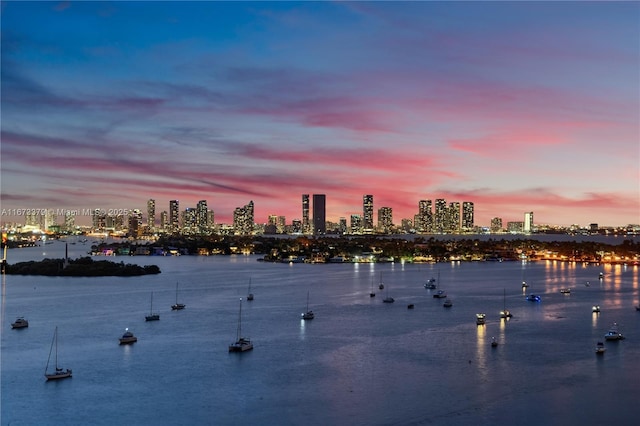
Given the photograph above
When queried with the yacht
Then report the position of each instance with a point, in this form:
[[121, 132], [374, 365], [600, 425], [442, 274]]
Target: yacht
[[308, 314], [440, 294], [430, 284], [480, 319], [447, 303], [595, 309], [494, 342], [20, 322], [600, 349], [128, 338], [613, 333]]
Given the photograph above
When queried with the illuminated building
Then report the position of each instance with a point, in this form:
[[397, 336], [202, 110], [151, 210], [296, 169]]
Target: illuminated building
[[367, 213], [423, 221], [306, 228], [453, 217], [467, 216], [440, 221], [496, 224], [202, 217], [174, 216], [151, 214], [528, 223], [342, 226], [356, 224], [164, 220], [385, 219], [319, 214], [243, 223]]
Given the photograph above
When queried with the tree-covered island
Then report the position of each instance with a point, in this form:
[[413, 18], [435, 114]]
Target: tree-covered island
[[82, 267]]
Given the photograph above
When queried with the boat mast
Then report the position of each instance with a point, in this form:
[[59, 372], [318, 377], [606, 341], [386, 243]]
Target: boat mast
[[240, 321]]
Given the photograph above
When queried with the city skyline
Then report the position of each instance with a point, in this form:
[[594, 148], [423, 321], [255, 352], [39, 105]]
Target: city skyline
[[514, 106]]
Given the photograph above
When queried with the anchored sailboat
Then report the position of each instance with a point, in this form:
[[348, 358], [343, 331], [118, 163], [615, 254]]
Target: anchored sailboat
[[177, 306], [242, 343], [58, 373], [152, 316]]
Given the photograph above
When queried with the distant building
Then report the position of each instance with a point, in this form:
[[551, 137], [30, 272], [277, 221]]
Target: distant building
[[441, 213], [356, 224], [515, 227], [528, 223], [467, 216], [202, 217], [151, 214], [174, 216], [496, 224], [453, 217], [367, 213], [423, 221], [306, 227], [385, 219], [319, 214]]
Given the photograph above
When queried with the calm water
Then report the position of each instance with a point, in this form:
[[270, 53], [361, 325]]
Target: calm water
[[360, 361]]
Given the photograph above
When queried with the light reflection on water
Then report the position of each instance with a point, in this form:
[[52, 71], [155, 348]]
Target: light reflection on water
[[359, 361]]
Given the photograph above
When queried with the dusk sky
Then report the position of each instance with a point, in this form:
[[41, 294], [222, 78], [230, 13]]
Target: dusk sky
[[515, 106]]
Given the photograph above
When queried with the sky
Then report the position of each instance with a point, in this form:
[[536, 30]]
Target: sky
[[514, 106]]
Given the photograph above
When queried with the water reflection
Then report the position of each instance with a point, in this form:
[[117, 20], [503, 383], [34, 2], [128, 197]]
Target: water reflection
[[481, 347]]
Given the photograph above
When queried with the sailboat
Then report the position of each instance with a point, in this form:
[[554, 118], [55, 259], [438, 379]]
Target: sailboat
[[381, 285], [388, 299], [371, 292], [242, 344], [308, 315], [250, 295], [505, 313], [59, 372], [152, 316], [177, 306], [432, 284], [524, 282]]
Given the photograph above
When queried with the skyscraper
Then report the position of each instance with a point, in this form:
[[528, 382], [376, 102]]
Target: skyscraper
[[305, 214], [202, 217], [367, 213], [385, 219], [424, 222], [319, 214], [528, 222], [453, 218], [467, 216], [174, 216], [151, 214], [440, 221]]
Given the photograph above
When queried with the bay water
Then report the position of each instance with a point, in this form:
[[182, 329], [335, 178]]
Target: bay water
[[359, 362]]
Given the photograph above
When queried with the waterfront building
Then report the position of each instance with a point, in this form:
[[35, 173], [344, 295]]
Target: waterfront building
[[342, 226], [189, 221], [496, 225], [202, 217], [423, 221], [528, 223], [356, 224], [164, 220], [243, 223], [319, 214], [453, 217], [441, 213]]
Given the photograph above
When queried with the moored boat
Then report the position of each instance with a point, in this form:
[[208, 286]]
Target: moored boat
[[480, 319], [20, 322], [565, 290], [600, 349], [241, 344], [595, 309], [613, 333], [128, 338], [534, 298], [308, 314], [447, 303], [494, 342], [59, 372], [440, 294]]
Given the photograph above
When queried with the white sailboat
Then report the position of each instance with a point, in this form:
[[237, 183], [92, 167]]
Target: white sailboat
[[388, 299], [177, 306], [249, 294], [241, 344], [308, 315], [505, 313], [58, 373], [381, 285], [152, 316], [371, 292]]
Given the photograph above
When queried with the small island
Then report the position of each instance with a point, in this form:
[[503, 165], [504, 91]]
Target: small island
[[81, 267]]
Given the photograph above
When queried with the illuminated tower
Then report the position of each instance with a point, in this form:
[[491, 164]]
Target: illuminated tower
[[202, 216], [528, 222], [319, 214], [453, 218], [151, 214], [305, 214], [424, 222], [367, 213], [467, 216], [440, 216], [174, 216], [385, 219]]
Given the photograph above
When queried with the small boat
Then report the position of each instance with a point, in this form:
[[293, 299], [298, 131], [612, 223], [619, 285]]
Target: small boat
[[505, 313], [494, 342], [177, 306], [601, 276], [613, 333], [152, 316], [440, 294], [480, 319], [410, 306], [565, 290], [447, 303], [241, 344], [595, 309], [534, 298], [308, 315], [20, 322], [381, 285], [59, 372], [249, 295], [524, 284], [430, 284], [600, 349], [128, 337]]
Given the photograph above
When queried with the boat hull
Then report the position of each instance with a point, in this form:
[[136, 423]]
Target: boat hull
[[178, 306], [241, 345], [59, 375], [152, 317]]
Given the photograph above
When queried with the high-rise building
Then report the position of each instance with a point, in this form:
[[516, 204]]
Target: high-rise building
[[453, 218], [356, 224], [496, 224], [385, 219], [319, 214], [440, 221], [202, 217], [423, 221], [367, 213], [528, 222], [467, 216], [243, 223], [174, 216], [164, 221], [306, 228], [342, 225], [151, 214]]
